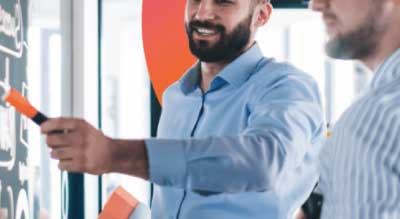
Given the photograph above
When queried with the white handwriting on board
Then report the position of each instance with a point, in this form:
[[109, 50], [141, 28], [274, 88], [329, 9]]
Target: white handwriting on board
[[11, 26], [22, 207], [7, 127], [7, 137], [4, 212], [24, 173]]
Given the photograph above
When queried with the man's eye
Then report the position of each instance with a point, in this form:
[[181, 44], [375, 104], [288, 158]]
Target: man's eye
[[224, 1]]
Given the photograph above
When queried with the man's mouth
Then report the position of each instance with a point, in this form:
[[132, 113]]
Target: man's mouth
[[329, 18], [331, 23], [205, 31]]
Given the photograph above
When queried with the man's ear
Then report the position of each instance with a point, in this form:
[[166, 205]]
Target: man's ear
[[264, 12]]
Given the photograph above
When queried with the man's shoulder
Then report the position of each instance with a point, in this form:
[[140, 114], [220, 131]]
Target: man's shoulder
[[375, 115], [270, 74], [271, 70], [173, 87], [172, 91], [386, 99]]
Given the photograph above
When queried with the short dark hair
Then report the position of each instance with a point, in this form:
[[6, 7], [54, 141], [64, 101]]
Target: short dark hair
[[261, 1], [256, 2]]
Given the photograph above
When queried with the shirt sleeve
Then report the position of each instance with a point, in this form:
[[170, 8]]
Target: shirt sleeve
[[283, 122]]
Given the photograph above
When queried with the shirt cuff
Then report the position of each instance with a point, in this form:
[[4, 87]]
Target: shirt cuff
[[167, 163]]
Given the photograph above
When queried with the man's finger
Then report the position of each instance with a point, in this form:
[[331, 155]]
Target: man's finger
[[62, 154], [69, 165], [60, 140], [58, 124]]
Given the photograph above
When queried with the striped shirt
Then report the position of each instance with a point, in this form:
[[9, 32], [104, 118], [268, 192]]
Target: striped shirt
[[360, 164]]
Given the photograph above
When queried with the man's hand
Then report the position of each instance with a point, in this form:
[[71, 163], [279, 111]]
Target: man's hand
[[82, 148], [299, 214], [78, 146]]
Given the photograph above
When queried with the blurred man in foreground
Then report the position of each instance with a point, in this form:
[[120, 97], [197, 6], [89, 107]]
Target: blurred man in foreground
[[360, 164]]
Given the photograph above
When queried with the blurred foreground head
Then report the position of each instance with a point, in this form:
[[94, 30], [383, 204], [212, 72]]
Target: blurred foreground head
[[360, 29]]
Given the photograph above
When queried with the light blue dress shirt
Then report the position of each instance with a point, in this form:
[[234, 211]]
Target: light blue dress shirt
[[360, 164], [243, 149]]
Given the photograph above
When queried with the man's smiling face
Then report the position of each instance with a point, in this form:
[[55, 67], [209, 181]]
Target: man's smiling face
[[218, 30]]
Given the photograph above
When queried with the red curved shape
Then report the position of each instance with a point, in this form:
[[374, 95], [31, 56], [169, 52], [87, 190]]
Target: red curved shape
[[165, 43]]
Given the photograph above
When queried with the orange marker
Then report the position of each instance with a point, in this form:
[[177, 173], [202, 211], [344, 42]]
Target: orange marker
[[120, 205], [23, 106]]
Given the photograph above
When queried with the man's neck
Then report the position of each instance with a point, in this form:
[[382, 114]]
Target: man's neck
[[375, 60], [208, 73], [388, 44], [210, 69]]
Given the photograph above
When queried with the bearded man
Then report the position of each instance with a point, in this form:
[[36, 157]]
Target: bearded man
[[360, 164], [234, 132]]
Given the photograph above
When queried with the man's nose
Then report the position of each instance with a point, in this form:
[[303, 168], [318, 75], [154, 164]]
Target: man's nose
[[318, 5], [205, 11]]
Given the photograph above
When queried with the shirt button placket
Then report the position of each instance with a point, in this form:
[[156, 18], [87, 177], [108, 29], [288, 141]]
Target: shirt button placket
[[200, 113]]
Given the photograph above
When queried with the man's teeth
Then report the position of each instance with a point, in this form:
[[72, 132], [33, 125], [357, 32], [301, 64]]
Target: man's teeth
[[205, 31]]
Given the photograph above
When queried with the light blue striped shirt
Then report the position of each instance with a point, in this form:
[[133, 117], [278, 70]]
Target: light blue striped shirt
[[244, 149], [360, 164]]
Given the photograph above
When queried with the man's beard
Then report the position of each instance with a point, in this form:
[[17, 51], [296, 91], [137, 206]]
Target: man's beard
[[359, 44], [229, 45]]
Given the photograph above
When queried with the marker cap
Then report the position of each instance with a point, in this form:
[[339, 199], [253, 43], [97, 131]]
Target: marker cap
[[23, 106]]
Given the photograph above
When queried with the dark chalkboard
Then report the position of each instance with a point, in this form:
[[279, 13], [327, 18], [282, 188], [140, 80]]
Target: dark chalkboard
[[14, 171]]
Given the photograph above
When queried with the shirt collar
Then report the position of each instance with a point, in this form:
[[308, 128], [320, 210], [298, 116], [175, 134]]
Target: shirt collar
[[190, 80], [235, 73], [387, 72]]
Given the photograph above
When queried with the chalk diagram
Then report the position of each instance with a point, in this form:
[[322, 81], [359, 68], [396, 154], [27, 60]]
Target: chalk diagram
[[12, 27], [5, 212], [12, 48], [7, 125], [22, 205]]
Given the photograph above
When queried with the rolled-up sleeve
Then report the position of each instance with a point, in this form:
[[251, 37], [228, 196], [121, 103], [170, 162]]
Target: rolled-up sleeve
[[283, 122]]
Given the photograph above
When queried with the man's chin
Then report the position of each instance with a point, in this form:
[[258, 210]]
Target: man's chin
[[213, 39], [205, 48], [335, 49], [204, 55], [332, 49], [205, 44], [208, 55]]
